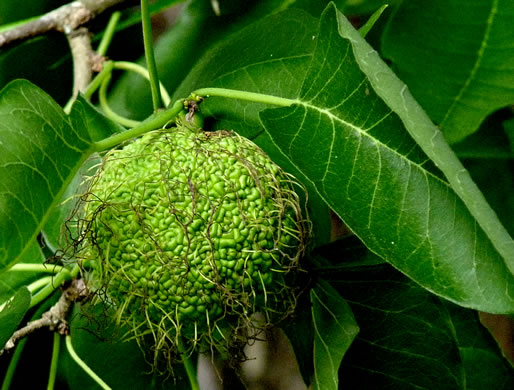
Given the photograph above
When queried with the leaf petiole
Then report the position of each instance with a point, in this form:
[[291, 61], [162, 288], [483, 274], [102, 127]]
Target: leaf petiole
[[107, 109], [83, 365], [245, 95], [64, 275], [41, 268], [40, 283], [55, 360], [108, 33], [131, 66], [149, 54]]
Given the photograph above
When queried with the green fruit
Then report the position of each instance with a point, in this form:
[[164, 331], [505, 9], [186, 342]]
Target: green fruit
[[189, 229]]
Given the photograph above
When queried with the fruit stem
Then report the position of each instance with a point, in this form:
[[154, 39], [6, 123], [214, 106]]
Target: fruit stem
[[188, 365], [244, 95], [149, 54], [155, 122]]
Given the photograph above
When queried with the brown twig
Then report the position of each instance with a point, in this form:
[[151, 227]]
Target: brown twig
[[65, 19], [68, 19], [55, 318], [82, 54]]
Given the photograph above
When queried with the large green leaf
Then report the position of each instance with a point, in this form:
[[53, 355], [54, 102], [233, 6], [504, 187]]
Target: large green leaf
[[469, 71], [406, 339], [334, 331], [479, 352], [358, 155], [410, 339], [275, 63], [396, 95], [40, 152], [299, 330], [84, 117]]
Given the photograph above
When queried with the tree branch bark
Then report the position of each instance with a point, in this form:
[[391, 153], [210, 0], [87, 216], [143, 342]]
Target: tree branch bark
[[65, 19], [55, 318], [82, 53]]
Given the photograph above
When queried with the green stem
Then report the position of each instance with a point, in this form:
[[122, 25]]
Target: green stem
[[149, 54], [133, 67], [94, 85], [55, 360], [53, 269], [100, 77], [83, 364], [108, 33], [189, 367], [161, 118], [244, 95], [155, 122], [107, 109], [36, 285], [56, 282]]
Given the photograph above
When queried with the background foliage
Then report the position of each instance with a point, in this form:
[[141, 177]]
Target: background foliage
[[393, 300]]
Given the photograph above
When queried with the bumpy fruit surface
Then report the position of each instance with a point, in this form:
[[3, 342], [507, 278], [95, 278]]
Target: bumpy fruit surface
[[188, 227]]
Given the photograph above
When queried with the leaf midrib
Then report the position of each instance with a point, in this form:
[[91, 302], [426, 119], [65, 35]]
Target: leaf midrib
[[365, 133]]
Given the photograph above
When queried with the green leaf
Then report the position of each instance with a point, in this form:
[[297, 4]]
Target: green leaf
[[358, 155], [85, 119], [43, 60], [197, 29], [60, 229], [365, 29], [409, 339], [274, 64], [508, 125], [491, 142], [362, 7], [12, 314], [299, 330], [40, 152], [479, 352], [396, 95], [406, 339], [498, 191], [469, 73], [334, 331]]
